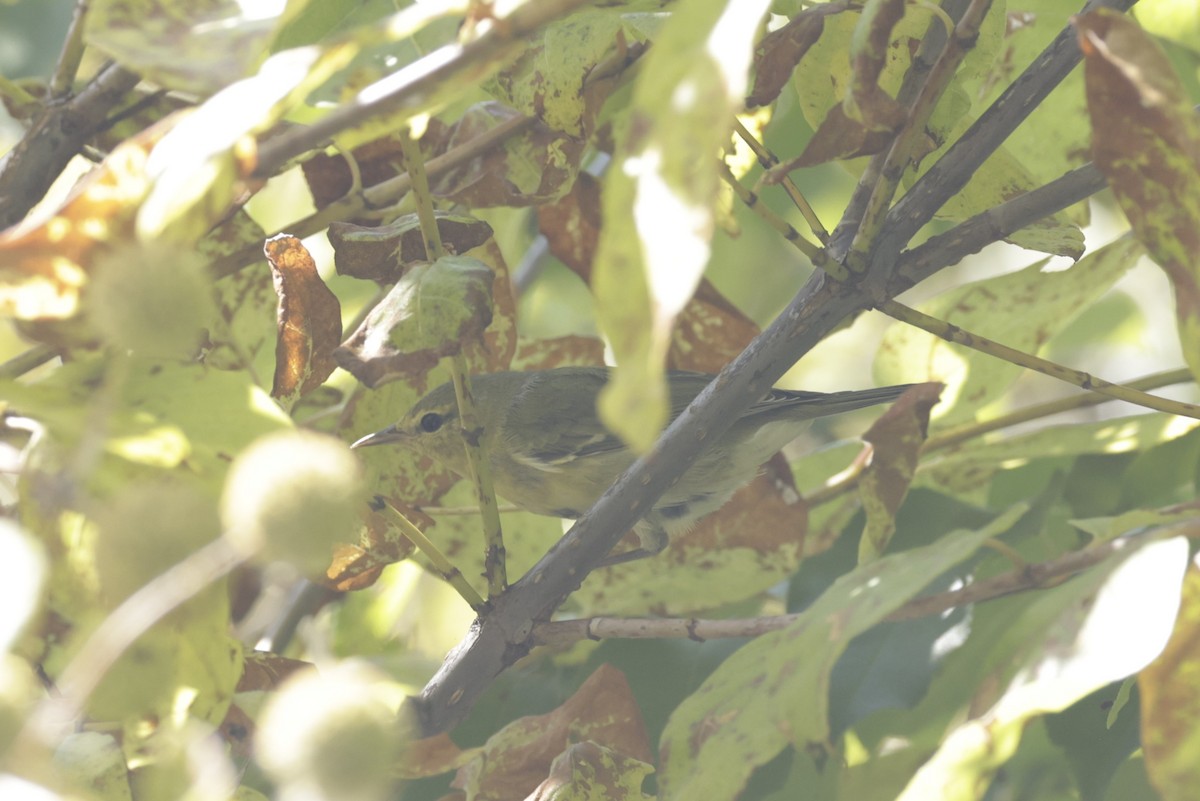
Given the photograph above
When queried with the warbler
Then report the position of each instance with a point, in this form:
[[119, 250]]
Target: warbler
[[550, 454]]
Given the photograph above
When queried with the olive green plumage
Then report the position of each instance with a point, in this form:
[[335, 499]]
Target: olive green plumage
[[551, 455]]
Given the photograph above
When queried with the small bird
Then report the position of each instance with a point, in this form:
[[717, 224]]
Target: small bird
[[550, 454]]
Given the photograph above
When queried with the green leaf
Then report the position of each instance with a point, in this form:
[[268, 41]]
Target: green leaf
[[966, 472], [190, 47], [775, 690], [196, 169], [1070, 641], [1047, 302], [1175, 20], [659, 197], [434, 310]]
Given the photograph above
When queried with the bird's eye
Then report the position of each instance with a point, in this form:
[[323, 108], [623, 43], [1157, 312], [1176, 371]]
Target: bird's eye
[[431, 422]]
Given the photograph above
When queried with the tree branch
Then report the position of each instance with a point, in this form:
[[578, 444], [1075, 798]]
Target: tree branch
[[952, 171], [412, 86], [498, 640], [1030, 577], [59, 132], [998, 222]]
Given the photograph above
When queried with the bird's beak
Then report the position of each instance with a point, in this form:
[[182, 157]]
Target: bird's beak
[[383, 436]]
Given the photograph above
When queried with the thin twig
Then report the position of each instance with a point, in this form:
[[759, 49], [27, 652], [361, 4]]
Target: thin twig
[[72, 53], [379, 195], [477, 459], [438, 560], [814, 253], [952, 333], [768, 160], [900, 154], [22, 363], [1028, 577]]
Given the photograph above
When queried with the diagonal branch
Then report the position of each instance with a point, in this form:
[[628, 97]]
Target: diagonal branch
[[497, 641], [412, 86]]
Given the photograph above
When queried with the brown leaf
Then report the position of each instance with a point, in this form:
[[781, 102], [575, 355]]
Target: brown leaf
[[897, 438], [308, 321], [1146, 141], [264, 672], [330, 178], [432, 756], [781, 50], [382, 253], [536, 166], [356, 567], [838, 137], [571, 225], [516, 759]]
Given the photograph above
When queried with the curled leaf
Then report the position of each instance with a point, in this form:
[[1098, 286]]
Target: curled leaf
[[308, 321]]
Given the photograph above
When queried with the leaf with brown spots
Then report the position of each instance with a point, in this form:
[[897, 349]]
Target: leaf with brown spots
[[356, 567], [535, 166], [1146, 141], [897, 437], [308, 321], [516, 759]]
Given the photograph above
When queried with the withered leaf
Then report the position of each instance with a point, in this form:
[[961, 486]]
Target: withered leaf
[[781, 50], [838, 137], [532, 167], [44, 263], [516, 759], [308, 321], [897, 437], [356, 567]]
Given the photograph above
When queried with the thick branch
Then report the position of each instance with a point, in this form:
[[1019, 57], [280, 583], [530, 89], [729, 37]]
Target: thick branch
[[497, 641], [998, 222], [58, 133], [504, 636]]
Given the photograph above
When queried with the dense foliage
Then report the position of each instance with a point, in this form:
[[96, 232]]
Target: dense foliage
[[237, 236]]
